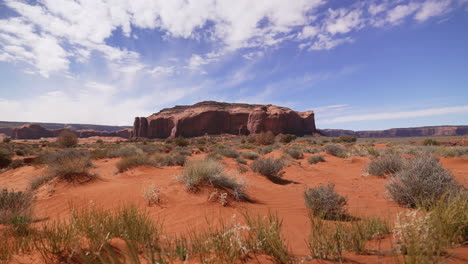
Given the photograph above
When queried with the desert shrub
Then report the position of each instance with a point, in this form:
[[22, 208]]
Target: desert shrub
[[151, 194], [228, 152], [172, 160], [19, 152], [295, 153], [70, 165], [265, 236], [14, 206], [67, 139], [209, 171], [324, 202], [99, 141], [386, 164], [336, 150], [421, 182], [265, 138], [125, 151], [269, 167], [5, 158], [129, 162], [373, 152], [6, 140], [16, 163], [241, 160], [287, 138], [99, 154], [430, 142], [266, 149], [316, 159], [348, 139], [181, 141], [39, 181], [251, 155]]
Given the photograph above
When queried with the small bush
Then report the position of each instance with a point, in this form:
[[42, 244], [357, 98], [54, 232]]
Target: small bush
[[430, 142], [295, 153], [5, 158], [269, 167], [316, 159], [348, 139], [386, 164], [125, 151], [208, 171], [129, 162], [181, 141], [265, 138], [172, 160], [241, 160], [19, 152], [227, 152], [67, 139], [99, 141], [6, 140], [151, 194], [16, 163], [99, 154], [14, 205], [324, 202], [40, 180], [250, 155], [421, 182], [287, 138], [336, 150], [70, 165]]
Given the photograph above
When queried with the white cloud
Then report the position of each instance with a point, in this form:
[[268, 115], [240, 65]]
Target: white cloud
[[432, 9], [162, 71], [398, 13], [328, 108], [397, 115], [308, 32], [343, 21]]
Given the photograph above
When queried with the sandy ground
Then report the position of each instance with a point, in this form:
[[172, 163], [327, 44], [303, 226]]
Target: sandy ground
[[181, 210]]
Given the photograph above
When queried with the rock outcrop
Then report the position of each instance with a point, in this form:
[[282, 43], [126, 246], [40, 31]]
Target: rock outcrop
[[35, 131], [429, 131], [212, 118]]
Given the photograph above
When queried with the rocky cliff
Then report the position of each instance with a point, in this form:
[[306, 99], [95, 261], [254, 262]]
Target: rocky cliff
[[211, 117], [35, 131], [429, 131]]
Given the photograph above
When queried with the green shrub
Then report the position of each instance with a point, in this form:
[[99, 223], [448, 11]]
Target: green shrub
[[336, 150], [324, 202], [129, 162], [67, 139], [386, 164], [172, 160], [99, 154], [348, 139], [70, 165], [208, 171], [181, 141], [6, 140], [125, 151], [241, 160], [295, 153], [250, 155], [287, 138], [19, 152], [430, 142], [14, 205], [421, 182], [269, 167], [5, 158], [265, 138], [16, 163], [316, 159], [227, 152]]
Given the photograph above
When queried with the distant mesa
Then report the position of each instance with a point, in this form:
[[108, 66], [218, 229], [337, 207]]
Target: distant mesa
[[427, 131], [212, 118]]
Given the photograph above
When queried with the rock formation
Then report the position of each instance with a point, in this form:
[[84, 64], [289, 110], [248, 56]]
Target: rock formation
[[35, 131], [211, 118], [429, 131]]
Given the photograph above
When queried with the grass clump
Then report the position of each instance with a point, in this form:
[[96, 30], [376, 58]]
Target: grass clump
[[421, 182], [386, 164], [126, 151], [208, 171], [15, 207], [251, 155], [70, 165], [324, 202], [181, 141], [288, 138], [347, 139], [430, 142], [67, 139], [5, 158], [336, 150], [269, 167], [228, 152], [129, 162], [316, 159], [151, 194], [265, 138]]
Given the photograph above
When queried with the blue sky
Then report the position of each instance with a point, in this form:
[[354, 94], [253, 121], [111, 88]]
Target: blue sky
[[358, 64]]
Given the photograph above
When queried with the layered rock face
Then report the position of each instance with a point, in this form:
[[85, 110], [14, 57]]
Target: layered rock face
[[34, 131], [430, 131], [218, 118]]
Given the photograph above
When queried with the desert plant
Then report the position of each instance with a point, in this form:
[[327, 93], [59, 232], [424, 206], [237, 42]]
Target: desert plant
[[269, 167], [5, 158], [316, 159], [151, 194], [326, 241], [324, 202], [227, 152], [40, 180], [99, 154], [287, 138], [241, 161], [181, 141], [250, 155], [67, 139], [6, 140], [295, 153], [386, 164], [421, 182], [14, 206], [125, 151], [209, 171], [347, 139], [336, 150], [129, 162], [430, 142], [70, 165], [265, 138]]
